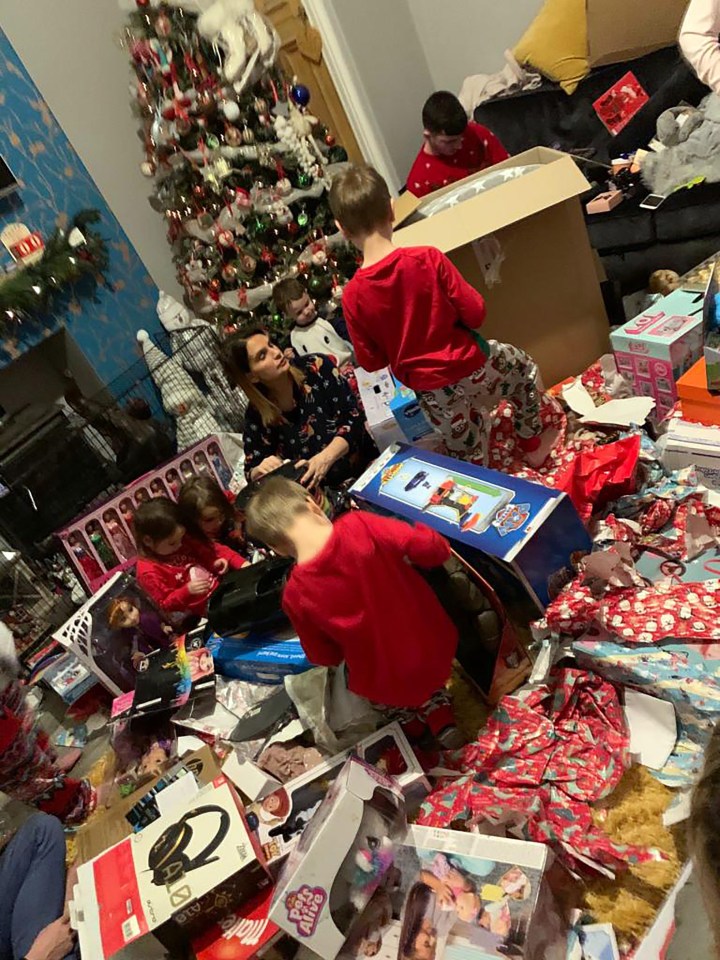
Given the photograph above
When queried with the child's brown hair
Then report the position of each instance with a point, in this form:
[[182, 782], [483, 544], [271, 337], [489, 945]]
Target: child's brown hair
[[237, 364], [287, 291], [705, 834], [196, 495], [360, 200], [272, 509], [116, 615], [155, 520]]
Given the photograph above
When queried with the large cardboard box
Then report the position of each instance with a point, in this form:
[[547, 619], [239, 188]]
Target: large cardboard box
[[510, 529], [172, 880], [619, 31], [548, 298]]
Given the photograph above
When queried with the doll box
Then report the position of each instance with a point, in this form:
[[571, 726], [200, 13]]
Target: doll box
[[172, 880], [280, 818], [508, 529], [341, 859], [259, 657], [656, 348], [99, 542]]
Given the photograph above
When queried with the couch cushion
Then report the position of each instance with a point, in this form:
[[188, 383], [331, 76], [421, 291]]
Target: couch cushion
[[556, 43]]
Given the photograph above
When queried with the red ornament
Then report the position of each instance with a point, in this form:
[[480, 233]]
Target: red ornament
[[214, 286], [225, 238], [292, 228], [267, 256], [142, 3], [199, 191], [229, 272], [330, 140], [163, 25]]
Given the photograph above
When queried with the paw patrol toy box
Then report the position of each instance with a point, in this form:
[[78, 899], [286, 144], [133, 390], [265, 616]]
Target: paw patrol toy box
[[344, 856], [519, 535]]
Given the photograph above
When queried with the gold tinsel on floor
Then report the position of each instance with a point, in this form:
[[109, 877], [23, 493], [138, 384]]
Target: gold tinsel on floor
[[102, 772]]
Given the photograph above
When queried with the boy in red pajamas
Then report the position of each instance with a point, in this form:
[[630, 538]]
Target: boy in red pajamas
[[354, 598], [412, 310], [453, 148]]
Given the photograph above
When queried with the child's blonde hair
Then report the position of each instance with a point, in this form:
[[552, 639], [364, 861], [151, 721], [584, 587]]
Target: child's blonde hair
[[705, 835], [360, 200], [273, 508]]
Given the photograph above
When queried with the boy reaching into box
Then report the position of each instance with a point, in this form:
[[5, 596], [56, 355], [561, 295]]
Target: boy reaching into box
[[453, 147], [354, 598], [411, 309]]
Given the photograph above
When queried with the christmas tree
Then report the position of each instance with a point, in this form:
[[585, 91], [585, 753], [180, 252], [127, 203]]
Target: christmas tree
[[241, 168]]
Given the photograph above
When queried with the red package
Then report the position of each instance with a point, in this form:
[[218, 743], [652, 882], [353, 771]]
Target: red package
[[599, 475], [241, 935], [620, 103]]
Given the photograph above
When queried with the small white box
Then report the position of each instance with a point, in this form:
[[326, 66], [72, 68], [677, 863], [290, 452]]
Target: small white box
[[693, 444]]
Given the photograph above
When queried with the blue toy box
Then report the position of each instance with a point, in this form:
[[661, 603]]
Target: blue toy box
[[405, 408], [518, 535], [259, 657]]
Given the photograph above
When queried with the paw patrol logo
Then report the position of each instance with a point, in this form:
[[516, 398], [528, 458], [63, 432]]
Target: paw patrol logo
[[511, 518], [304, 907], [391, 472]]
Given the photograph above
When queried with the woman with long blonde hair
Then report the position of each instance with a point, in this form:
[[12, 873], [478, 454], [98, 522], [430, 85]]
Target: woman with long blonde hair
[[302, 411]]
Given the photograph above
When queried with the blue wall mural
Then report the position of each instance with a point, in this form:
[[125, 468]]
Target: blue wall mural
[[54, 185]]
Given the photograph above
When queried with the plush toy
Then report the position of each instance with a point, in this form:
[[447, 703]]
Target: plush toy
[[180, 395], [249, 40], [371, 864], [693, 153], [676, 124], [664, 282]]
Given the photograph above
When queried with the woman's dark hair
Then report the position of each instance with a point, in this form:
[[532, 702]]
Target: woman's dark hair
[[419, 900], [196, 495], [237, 363], [444, 114], [155, 519]]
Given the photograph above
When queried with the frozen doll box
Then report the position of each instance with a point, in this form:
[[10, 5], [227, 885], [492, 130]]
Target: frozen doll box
[[101, 541], [499, 524], [342, 858]]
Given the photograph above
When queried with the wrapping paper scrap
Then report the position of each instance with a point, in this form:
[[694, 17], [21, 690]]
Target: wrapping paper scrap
[[546, 754], [600, 475], [662, 611], [614, 413]]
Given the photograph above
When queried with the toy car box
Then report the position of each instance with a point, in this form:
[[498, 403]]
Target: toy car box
[[656, 348], [174, 879], [341, 860], [281, 817], [508, 529], [259, 657]]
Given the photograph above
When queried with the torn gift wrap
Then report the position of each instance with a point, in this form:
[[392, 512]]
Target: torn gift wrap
[[546, 754]]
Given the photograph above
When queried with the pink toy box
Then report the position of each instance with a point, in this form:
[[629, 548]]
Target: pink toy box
[[101, 542], [655, 349]]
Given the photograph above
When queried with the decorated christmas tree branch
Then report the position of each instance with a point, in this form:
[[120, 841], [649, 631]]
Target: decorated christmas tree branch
[[69, 256]]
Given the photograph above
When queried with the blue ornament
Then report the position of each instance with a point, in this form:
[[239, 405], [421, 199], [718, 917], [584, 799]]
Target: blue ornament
[[300, 94]]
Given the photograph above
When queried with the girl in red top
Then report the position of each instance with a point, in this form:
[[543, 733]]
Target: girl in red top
[[209, 513], [177, 571]]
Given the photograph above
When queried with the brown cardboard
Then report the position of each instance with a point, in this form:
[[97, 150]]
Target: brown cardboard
[[110, 827], [548, 301], [619, 31]]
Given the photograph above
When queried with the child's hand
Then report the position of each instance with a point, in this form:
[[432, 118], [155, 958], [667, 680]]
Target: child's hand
[[221, 567], [200, 586], [137, 658]]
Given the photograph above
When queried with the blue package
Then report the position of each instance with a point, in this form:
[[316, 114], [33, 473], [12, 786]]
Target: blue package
[[497, 523], [259, 657], [408, 414]]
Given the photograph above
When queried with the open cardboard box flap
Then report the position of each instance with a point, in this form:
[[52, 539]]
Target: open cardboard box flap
[[557, 180], [619, 31]]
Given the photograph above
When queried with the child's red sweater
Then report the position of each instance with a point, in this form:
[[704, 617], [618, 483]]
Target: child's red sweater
[[411, 311], [166, 579], [361, 602], [480, 149]]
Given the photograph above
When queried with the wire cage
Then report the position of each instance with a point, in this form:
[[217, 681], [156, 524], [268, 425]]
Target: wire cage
[[89, 450]]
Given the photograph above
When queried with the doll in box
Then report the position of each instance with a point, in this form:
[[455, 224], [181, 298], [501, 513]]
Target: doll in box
[[144, 630], [124, 547]]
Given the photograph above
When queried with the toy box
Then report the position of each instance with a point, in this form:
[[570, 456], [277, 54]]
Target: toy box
[[102, 540], [281, 817], [344, 856], [259, 656], [711, 330], [500, 895], [107, 652], [693, 444], [244, 934], [180, 874], [655, 349], [68, 676], [410, 418], [519, 535], [696, 401]]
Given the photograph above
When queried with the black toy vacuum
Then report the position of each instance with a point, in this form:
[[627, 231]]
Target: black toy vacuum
[[167, 858]]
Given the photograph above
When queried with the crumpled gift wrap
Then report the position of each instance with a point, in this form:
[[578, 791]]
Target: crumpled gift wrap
[[546, 754]]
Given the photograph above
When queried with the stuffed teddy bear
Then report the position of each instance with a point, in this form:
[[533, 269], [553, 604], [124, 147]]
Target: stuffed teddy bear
[[246, 36], [694, 157], [676, 124]]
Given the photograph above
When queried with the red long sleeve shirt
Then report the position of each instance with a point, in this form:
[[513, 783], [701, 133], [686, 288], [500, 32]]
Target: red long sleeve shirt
[[360, 601], [166, 579], [480, 149], [411, 311]]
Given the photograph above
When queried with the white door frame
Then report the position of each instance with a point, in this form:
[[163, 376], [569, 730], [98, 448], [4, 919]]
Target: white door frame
[[348, 83]]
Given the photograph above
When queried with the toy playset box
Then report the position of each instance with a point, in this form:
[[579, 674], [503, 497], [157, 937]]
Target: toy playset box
[[392, 411], [175, 878], [280, 818], [467, 895], [655, 349], [341, 860], [509, 529], [100, 541]]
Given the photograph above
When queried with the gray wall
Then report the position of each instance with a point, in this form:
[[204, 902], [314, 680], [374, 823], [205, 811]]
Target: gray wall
[[71, 49]]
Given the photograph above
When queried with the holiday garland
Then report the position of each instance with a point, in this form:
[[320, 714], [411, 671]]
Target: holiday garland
[[69, 255]]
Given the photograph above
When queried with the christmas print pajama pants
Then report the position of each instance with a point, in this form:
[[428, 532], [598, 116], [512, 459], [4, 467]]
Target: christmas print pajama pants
[[461, 411]]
